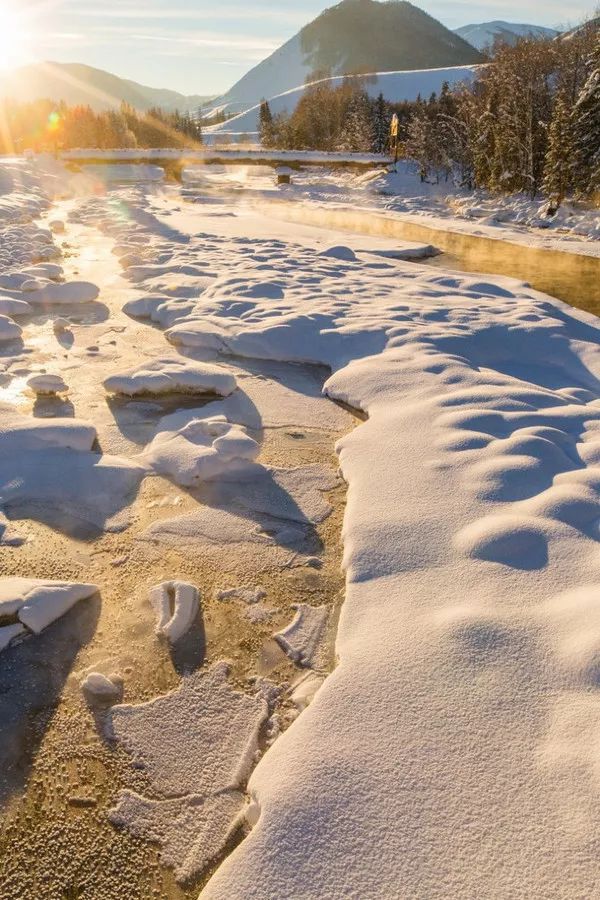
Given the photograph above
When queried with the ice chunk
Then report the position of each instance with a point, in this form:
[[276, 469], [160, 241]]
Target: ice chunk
[[101, 687], [200, 739], [302, 640], [191, 830], [176, 605], [47, 601], [9, 633]]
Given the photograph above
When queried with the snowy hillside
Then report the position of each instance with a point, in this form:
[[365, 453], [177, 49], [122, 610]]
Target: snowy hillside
[[485, 34], [354, 36], [395, 86]]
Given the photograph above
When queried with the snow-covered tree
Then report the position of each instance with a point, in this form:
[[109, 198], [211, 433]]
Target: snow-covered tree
[[587, 127], [560, 158]]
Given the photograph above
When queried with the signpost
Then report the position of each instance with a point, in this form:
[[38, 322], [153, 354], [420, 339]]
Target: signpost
[[394, 132]]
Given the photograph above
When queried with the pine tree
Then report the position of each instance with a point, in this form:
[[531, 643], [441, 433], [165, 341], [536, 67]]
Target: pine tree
[[266, 126], [587, 128], [381, 126], [558, 170]]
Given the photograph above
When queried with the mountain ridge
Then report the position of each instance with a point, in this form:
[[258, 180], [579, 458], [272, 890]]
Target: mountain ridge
[[355, 36], [79, 84]]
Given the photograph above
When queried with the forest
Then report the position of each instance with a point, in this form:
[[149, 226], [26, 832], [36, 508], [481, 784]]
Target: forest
[[530, 122], [46, 127]]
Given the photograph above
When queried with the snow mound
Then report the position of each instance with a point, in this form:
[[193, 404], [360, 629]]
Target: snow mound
[[9, 330], [200, 450], [47, 385], [38, 293], [171, 375]]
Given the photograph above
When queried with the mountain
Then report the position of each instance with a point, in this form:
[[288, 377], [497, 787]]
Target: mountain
[[484, 36], [395, 87], [79, 84], [356, 36]]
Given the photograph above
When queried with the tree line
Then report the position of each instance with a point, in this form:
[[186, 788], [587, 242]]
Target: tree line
[[530, 122], [44, 127]]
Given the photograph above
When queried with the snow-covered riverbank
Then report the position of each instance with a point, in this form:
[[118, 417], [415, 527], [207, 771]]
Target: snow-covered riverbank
[[454, 742]]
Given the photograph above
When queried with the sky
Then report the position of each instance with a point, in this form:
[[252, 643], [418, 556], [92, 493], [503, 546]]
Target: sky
[[204, 46]]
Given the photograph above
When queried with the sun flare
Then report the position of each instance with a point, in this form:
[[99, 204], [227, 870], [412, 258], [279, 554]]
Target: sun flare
[[14, 38]]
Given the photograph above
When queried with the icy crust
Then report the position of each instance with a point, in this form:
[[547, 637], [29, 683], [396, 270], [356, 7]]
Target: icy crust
[[172, 375], [197, 746], [36, 604]]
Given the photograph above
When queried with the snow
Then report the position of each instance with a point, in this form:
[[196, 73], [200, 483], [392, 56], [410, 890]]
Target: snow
[[9, 330], [47, 385], [172, 375], [483, 36], [38, 603], [39, 293], [199, 449], [176, 606], [456, 740]]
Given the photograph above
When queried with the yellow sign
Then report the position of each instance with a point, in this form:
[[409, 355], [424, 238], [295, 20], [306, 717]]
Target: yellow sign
[[395, 125]]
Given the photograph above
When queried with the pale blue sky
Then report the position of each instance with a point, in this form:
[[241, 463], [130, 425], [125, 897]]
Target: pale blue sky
[[204, 46]]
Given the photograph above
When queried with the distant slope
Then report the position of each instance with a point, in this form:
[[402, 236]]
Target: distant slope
[[395, 86], [354, 36], [80, 84], [485, 34]]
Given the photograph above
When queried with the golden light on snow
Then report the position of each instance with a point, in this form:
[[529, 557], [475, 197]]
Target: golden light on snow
[[14, 36]]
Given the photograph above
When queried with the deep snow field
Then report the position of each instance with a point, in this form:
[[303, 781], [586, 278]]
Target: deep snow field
[[191, 699]]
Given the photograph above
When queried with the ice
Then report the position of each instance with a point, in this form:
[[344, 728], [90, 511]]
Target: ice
[[176, 606], [102, 688], [196, 746], [38, 603], [172, 375], [303, 639], [191, 831], [9, 634]]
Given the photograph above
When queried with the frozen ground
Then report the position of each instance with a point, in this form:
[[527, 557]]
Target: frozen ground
[[455, 740]]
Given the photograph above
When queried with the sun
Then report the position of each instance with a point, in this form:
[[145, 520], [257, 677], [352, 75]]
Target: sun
[[14, 38]]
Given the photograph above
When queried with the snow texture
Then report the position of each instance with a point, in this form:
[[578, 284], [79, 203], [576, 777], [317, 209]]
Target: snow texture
[[172, 375]]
